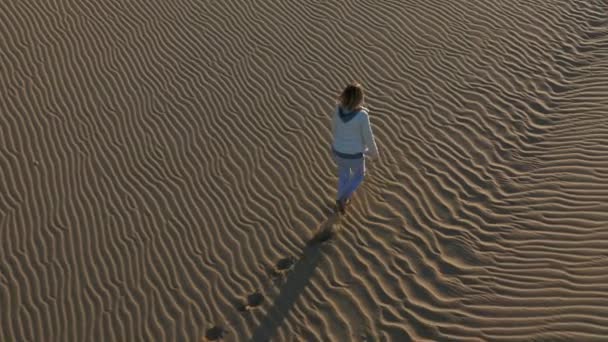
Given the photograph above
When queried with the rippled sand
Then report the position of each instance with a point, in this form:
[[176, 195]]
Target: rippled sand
[[165, 166]]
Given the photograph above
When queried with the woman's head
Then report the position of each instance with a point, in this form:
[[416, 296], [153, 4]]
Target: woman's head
[[352, 96]]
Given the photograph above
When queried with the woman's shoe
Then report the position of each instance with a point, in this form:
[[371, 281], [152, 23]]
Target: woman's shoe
[[340, 207]]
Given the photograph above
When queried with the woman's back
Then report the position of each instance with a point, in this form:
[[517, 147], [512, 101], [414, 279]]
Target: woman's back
[[352, 132]]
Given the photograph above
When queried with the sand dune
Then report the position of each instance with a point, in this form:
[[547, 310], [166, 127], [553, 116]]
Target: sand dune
[[165, 166]]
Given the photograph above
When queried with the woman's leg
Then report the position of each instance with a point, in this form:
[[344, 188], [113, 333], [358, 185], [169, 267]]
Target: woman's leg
[[357, 173], [343, 176]]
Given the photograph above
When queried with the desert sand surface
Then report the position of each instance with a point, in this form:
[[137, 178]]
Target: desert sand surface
[[165, 171]]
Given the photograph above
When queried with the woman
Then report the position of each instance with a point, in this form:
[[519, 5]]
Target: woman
[[353, 140]]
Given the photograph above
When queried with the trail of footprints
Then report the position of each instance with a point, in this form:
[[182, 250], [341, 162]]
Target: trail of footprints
[[278, 271]]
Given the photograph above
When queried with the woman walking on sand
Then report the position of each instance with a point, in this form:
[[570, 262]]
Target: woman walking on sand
[[353, 140]]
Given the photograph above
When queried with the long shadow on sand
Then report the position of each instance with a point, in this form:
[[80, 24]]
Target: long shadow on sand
[[297, 280]]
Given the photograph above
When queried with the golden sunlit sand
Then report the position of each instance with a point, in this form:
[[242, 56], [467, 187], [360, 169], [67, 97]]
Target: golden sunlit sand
[[166, 171]]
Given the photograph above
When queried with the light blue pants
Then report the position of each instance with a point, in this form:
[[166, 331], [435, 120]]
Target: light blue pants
[[350, 175]]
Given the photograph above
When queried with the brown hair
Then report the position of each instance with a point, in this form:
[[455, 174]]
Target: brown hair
[[352, 96]]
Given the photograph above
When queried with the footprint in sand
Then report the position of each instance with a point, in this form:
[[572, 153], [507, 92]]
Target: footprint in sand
[[282, 267], [323, 235], [253, 300], [215, 333], [285, 264]]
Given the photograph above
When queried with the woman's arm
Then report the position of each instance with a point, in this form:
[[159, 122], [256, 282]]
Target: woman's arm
[[333, 124], [368, 137]]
